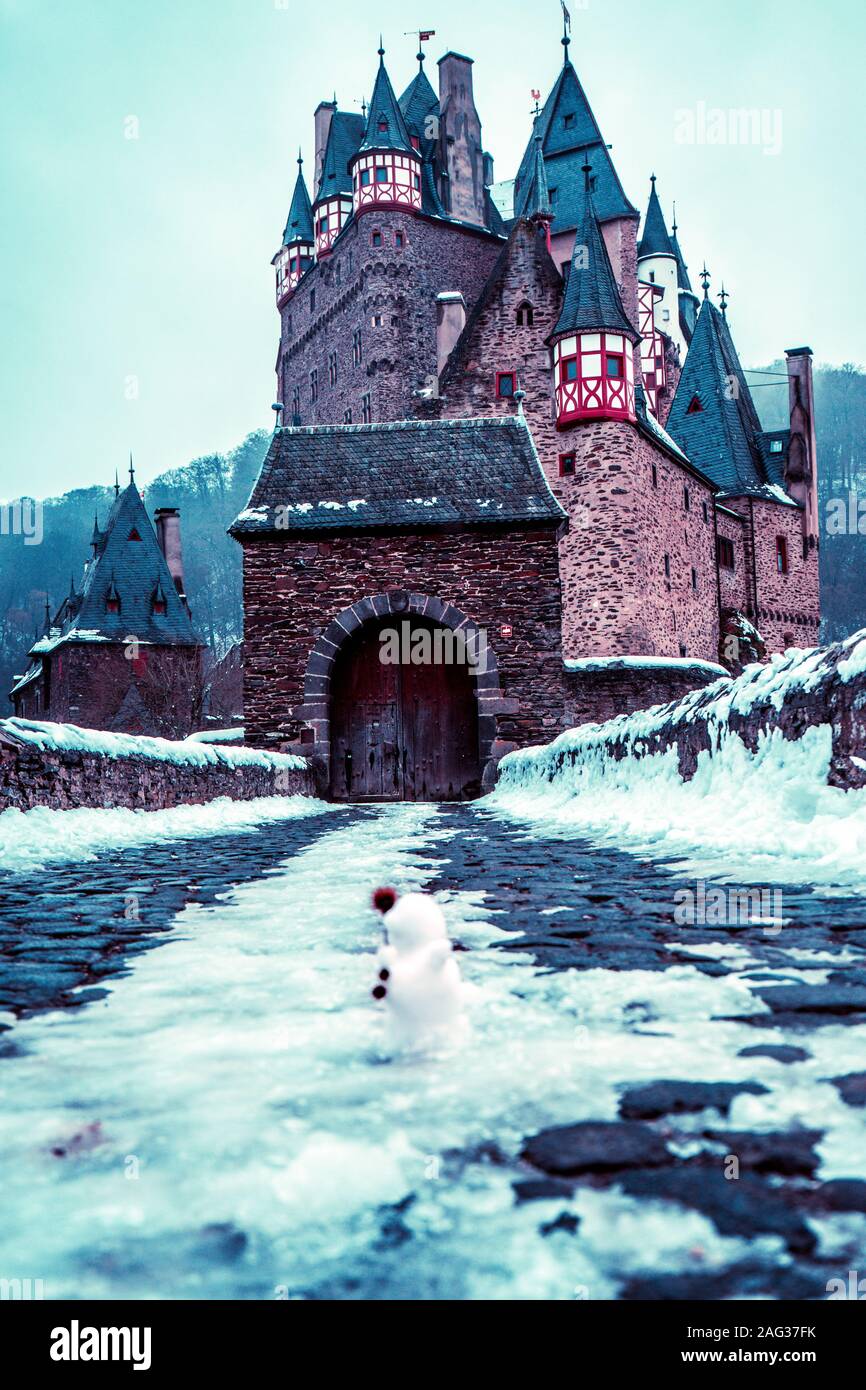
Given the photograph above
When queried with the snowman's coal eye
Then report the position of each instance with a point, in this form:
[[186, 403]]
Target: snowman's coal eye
[[384, 974]]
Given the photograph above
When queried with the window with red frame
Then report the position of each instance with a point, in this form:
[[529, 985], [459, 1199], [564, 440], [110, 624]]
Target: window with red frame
[[159, 606], [568, 369], [567, 465], [376, 239], [614, 365], [506, 385], [781, 555], [694, 406], [725, 549]]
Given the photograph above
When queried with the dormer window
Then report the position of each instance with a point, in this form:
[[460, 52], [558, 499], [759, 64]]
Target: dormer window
[[505, 385], [694, 406], [416, 143], [112, 605], [775, 446], [133, 535], [159, 606], [382, 126]]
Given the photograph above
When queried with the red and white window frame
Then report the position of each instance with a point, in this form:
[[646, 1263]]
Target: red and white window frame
[[388, 178], [329, 218], [594, 375], [291, 263], [652, 348]]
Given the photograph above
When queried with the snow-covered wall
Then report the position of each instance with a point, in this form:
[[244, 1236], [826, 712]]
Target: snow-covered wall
[[64, 767], [824, 687]]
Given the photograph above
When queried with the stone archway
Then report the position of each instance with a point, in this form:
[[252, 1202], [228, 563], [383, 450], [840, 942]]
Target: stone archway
[[316, 711]]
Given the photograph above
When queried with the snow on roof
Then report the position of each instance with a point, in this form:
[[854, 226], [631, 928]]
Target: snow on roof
[[608, 663], [181, 752]]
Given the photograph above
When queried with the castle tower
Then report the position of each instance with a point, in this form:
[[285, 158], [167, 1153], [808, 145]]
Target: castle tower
[[386, 171], [295, 256], [593, 340], [332, 208]]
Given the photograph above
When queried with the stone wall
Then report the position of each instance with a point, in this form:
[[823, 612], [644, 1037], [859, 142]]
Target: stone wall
[[597, 691], [68, 778], [386, 293]]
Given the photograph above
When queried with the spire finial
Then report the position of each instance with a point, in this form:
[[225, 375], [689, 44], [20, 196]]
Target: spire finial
[[674, 223], [653, 182], [381, 50], [705, 281], [566, 32], [300, 160], [116, 484], [131, 469], [723, 298], [586, 170]]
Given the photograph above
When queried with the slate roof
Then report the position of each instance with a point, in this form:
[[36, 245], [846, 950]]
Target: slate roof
[[384, 107], [416, 104], [344, 137], [724, 438], [299, 224], [591, 299], [135, 570], [655, 240], [535, 198], [683, 281], [569, 135], [409, 473]]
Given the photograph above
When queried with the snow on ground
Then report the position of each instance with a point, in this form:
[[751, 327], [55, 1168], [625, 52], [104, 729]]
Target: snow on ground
[[33, 839], [763, 818], [187, 752], [233, 1095]]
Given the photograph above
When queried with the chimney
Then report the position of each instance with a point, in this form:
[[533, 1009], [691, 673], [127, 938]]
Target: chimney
[[167, 521], [322, 121], [450, 322], [801, 471], [460, 139]]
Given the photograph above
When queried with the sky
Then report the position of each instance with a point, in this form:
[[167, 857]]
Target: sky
[[147, 159]]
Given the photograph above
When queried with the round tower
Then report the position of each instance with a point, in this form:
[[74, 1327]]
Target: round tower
[[386, 171], [295, 256]]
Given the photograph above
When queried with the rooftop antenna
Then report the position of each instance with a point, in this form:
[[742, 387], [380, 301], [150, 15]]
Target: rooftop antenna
[[705, 281]]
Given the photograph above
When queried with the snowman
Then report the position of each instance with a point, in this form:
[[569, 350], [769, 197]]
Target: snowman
[[419, 979]]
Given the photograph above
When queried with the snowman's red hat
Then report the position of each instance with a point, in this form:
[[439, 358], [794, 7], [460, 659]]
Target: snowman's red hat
[[384, 899]]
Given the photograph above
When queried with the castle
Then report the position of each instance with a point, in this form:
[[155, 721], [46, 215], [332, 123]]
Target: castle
[[503, 411]]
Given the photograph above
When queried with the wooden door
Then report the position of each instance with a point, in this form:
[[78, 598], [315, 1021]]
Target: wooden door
[[401, 731]]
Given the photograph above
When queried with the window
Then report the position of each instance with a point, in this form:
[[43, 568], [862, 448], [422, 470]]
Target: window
[[551, 193], [686, 499], [775, 446], [705, 511], [781, 555], [416, 143], [314, 385], [382, 126], [399, 240], [667, 567], [566, 465], [312, 301], [505, 385], [350, 259], [655, 477], [725, 552], [694, 406], [684, 651], [568, 120], [133, 535], [338, 272], [365, 177], [347, 417], [569, 369], [525, 315], [296, 406], [332, 368], [377, 320], [356, 347], [322, 226], [112, 605], [381, 174], [159, 606], [376, 239], [288, 325], [694, 579], [614, 365], [366, 408], [416, 181], [565, 270]]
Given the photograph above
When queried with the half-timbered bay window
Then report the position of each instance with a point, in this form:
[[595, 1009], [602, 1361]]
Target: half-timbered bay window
[[331, 215], [389, 178], [594, 374]]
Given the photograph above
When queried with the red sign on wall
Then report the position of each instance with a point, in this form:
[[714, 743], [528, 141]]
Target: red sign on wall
[[506, 630]]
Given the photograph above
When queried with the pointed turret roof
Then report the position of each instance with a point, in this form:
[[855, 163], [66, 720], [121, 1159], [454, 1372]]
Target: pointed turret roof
[[536, 202], [569, 136], [655, 240], [386, 127], [717, 426], [417, 102], [127, 565], [683, 281], [299, 224], [344, 137], [592, 299]]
